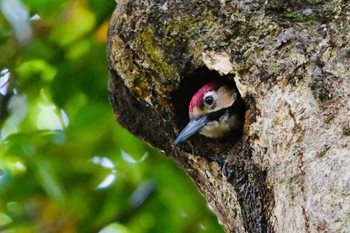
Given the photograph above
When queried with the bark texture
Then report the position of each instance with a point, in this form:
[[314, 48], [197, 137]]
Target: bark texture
[[290, 60]]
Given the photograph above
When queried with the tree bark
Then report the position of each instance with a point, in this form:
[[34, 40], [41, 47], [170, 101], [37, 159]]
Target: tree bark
[[290, 171]]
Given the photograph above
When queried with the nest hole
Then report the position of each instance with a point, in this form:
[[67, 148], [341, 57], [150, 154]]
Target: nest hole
[[189, 86]]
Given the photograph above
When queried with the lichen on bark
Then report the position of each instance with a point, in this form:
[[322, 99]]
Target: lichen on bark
[[290, 62]]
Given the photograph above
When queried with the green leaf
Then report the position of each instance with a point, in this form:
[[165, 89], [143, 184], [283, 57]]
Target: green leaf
[[36, 68]]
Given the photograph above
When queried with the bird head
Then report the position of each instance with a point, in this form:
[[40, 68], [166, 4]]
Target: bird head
[[211, 112]]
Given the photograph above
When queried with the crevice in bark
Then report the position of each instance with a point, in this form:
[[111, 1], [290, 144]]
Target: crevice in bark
[[253, 192]]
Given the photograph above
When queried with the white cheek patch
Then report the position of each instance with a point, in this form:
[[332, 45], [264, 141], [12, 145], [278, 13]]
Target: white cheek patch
[[226, 97]]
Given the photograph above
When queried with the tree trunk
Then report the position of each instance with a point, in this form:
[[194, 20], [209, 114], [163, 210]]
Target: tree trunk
[[290, 171]]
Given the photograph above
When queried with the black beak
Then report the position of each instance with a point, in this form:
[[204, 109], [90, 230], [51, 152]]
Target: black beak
[[191, 128]]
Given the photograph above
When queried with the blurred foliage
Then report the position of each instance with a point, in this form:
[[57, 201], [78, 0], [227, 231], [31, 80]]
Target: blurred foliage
[[65, 164]]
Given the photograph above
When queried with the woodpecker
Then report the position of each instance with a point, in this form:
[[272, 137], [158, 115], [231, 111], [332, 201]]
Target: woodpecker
[[212, 112]]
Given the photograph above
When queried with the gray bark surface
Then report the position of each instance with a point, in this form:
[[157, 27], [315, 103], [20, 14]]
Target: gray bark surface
[[290, 60]]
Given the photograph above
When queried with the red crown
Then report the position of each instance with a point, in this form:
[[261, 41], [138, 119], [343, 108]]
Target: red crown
[[197, 98]]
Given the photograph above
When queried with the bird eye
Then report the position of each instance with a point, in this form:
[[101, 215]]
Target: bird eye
[[208, 100]]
